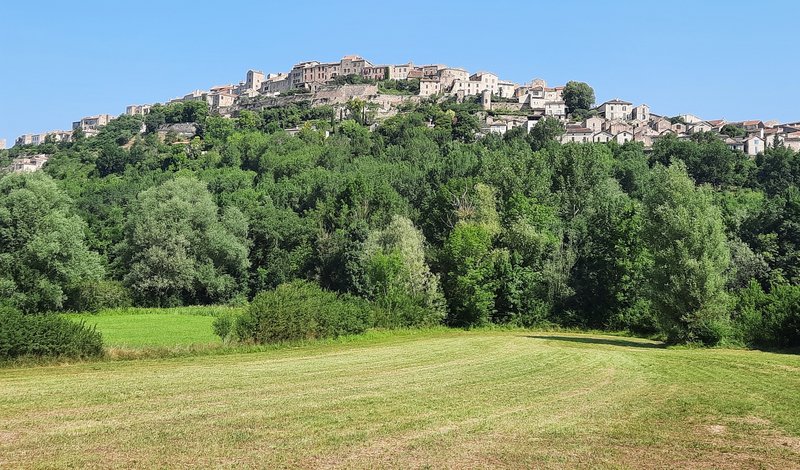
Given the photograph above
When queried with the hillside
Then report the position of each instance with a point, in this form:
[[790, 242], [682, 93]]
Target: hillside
[[437, 398]]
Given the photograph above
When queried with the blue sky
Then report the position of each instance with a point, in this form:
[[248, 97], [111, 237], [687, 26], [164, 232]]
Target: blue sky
[[731, 59]]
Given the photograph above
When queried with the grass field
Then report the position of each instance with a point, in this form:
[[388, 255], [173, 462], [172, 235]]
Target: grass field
[[413, 399], [138, 328]]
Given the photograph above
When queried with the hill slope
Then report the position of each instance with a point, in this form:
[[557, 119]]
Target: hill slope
[[445, 398]]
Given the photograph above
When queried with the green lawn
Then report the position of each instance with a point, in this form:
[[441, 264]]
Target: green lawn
[[136, 330], [426, 399]]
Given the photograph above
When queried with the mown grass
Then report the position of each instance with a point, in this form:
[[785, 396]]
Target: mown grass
[[441, 398]]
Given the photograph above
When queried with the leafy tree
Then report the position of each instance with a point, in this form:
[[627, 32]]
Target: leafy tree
[[578, 95], [398, 277], [43, 252], [684, 233], [468, 266], [546, 130], [178, 249], [707, 159], [733, 130]]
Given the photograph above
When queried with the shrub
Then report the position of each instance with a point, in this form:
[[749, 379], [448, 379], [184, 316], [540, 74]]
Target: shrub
[[768, 319], [46, 335], [223, 326], [93, 296], [301, 310]]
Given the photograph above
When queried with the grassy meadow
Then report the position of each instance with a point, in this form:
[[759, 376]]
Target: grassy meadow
[[135, 328], [438, 398]]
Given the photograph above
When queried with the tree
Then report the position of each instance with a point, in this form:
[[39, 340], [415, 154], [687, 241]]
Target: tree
[[468, 266], [733, 130], [178, 249], [398, 277], [707, 159], [685, 234], [578, 95], [43, 252], [546, 130]]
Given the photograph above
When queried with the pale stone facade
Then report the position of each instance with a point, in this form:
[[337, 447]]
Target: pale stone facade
[[28, 164], [429, 87], [92, 123], [448, 75], [616, 110], [254, 80], [137, 109], [577, 135], [476, 84], [641, 113]]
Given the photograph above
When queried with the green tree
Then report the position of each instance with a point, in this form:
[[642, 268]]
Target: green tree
[[468, 266], [178, 249], [685, 234], [546, 130], [398, 277], [578, 95], [43, 253]]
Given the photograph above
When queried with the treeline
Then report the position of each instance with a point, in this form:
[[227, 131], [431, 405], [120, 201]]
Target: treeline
[[692, 241]]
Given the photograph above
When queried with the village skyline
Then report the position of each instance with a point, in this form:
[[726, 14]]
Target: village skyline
[[680, 63]]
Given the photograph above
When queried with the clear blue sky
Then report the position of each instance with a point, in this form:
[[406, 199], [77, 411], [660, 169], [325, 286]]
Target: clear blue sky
[[731, 59]]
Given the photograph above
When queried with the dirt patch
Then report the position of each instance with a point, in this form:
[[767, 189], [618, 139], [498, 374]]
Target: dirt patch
[[715, 429]]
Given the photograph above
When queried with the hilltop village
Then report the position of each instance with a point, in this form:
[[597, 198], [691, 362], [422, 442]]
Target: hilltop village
[[386, 88]]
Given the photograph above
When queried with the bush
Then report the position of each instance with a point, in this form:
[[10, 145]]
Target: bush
[[768, 319], [93, 296], [46, 335], [301, 310], [223, 326]]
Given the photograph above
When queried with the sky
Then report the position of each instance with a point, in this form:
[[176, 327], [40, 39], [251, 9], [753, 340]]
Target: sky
[[733, 59]]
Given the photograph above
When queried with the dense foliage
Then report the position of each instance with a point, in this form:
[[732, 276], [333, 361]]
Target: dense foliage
[[296, 311], [45, 335], [418, 217]]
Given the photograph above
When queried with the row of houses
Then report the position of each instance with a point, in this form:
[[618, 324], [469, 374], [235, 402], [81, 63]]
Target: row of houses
[[90, 125], [508, 103]]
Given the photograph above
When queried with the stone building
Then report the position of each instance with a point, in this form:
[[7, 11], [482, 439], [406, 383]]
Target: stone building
[[616, 110], [137, 109]]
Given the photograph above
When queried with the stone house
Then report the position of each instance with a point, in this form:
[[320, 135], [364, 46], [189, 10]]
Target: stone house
[[476, 84], [615, 127], [753, 145], [616, 109], [690, 118], [254, 80], [751, 126], [602, 137], [556, 109], [735, 144], [28, 164], [92, 124], [698, 127], [429, 87], [577, 134], [506, 89], [400, 72], [276, 83], [624, 136], [137, 109], [661, 124], [594, 123], [448, 75], [792, 141], [641, 113], [554, 94]]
